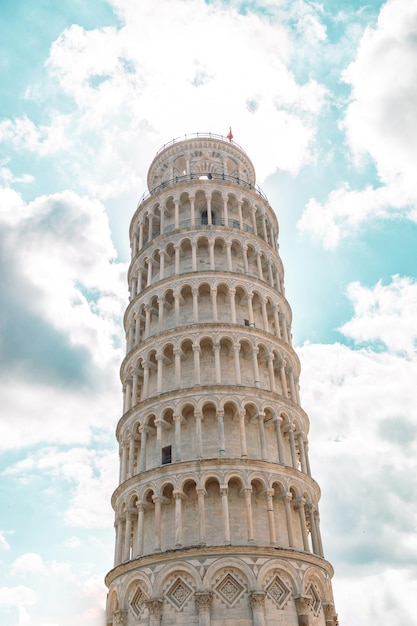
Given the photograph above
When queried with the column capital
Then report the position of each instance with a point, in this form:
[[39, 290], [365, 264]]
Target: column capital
[[119, 617], [203, 600], [257, 599], [302, 604], [154, 606]]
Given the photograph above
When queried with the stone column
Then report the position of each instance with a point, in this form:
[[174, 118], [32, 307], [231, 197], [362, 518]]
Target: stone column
[[159, 372], [128, 397], [313, 529], [271, 372], [249, 518], [261, 426], [225, 218], [176, 214], [132, 441], [150, 227], [300, 438], [265, 315], [178, 518], [294, 462], [250, 310], [257, 600], [276, 322], [140, 527], [283, 379], [271, 520], [201, 493], [220, 425], [177, 446], [277, 422], [140, 236], [158, 423], [229, 255], [287, 497], [148, 261], [299, 503], [196, 350], [213, 293], [177, 258], [118, 541], [302, 604], [225, 514], [176, 308], [162, 219], [198, 436], [128, 536], [239, 212], [245, 259], [135, 384], [145, 389], [194, 255], [242, 429], [253, 216], [203, 602], [142, 457], [154, 606], [137, 328], [195, 306], [157, 500], [255, 367], [123, 464], [259, 265], [329, 614], [192, 209], [177, 357], [211, 251], [147, 320], [217, 369], [161, 265], [161, 302], [236, 350], [129, 340], [232, 293], [317, 519], [209, 214]]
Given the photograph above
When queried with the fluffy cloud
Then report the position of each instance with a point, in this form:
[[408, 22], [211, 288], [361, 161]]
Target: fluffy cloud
[[17, 596], [385, 313], [62, 294], [380, 127], [131, 91], [89, 475], [361, 404]]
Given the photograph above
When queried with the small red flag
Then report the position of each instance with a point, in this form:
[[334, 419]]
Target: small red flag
[[230, 136]]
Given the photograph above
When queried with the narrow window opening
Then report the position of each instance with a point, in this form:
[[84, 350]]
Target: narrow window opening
[[166, 455]]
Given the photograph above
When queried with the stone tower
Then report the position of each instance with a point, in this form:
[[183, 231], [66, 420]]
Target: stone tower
[[216, 510]]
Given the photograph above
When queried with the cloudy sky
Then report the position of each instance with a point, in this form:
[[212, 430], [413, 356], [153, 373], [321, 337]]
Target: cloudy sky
[[323, 97]]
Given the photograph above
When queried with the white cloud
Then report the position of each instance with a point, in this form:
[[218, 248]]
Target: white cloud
[[132, 92], [385, 313], [361, 405], [380, 126], [29, 563], [4, 545], [90, 475], [17, 596]]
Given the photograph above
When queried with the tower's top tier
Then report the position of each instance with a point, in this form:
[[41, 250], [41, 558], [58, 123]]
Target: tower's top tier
[[200, 155]]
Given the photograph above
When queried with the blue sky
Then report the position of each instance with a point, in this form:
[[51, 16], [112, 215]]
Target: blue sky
[[322, 96]]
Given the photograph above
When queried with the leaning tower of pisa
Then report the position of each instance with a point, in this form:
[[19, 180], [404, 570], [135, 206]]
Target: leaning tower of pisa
[[216, 510]]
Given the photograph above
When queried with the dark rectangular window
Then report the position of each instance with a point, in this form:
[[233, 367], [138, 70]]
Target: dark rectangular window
[[166, 455]]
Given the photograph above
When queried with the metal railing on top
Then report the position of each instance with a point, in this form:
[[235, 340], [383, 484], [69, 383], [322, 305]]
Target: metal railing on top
[[199, 136], [201, 176]]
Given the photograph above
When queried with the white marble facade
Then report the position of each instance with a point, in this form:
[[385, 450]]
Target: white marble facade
[[216, 510]]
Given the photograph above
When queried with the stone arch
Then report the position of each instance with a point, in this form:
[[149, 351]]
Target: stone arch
[[137, 590]]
